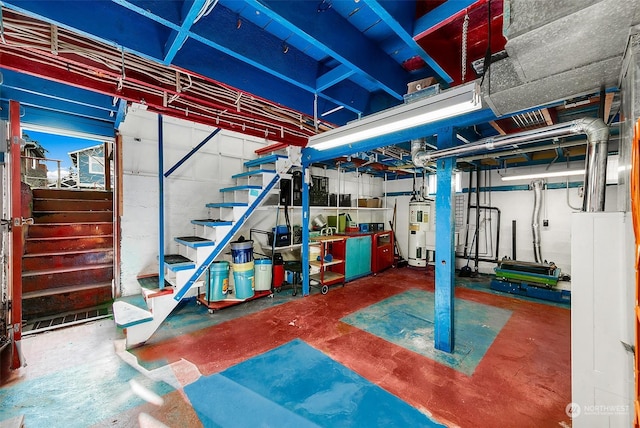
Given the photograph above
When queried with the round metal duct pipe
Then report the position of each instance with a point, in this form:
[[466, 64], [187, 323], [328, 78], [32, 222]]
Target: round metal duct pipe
[[596, 131], [537, 186]]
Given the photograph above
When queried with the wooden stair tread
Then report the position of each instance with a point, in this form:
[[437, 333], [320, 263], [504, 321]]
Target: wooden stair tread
[[127, 315], [70, 211], [58, 238], [63, 290], [68, 252], [150, 293], [66, 269]]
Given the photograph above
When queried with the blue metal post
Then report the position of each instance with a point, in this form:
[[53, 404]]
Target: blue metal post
[[305, 231], [445, 251], [160, 205]]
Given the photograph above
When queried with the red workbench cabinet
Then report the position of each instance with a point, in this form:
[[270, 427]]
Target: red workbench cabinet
[[382, 251]]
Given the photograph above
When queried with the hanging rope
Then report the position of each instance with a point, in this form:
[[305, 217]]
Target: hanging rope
[[465, 31]]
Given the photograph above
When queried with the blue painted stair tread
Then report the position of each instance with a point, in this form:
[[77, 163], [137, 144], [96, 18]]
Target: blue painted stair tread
[[212, 222], [176, 262], [295, 385], [406, 320], [240, 188], [127, 315], [194, 241], [226, 204], [263, 160], [254, 172]]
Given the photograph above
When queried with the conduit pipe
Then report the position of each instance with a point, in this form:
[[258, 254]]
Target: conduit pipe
[[597, 133], [537, 186]]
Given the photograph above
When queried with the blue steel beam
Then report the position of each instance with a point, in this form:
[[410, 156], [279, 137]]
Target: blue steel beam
[[252, 45], [333, 76], [190, 11], [329, 32], [445, 248], [294, 67], [109, 22], [55, 95], [439, 15], [65, 122], [238, 74], [405, 33], [44, 102]]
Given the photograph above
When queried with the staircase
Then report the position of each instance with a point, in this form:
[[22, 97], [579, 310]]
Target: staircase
[[183, 271], [68, 261]]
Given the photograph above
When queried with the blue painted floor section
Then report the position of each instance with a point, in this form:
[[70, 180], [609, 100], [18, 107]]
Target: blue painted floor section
[[406, 320], [296, 385], [79, 396]]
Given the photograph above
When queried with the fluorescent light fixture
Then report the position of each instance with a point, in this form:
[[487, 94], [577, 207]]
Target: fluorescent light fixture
[[453, 102], [333, 110], [566, 173]]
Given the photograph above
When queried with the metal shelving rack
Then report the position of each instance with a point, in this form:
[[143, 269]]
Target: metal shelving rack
[[327, 277]]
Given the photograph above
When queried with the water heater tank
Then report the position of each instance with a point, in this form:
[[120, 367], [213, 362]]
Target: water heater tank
[[421, 231]]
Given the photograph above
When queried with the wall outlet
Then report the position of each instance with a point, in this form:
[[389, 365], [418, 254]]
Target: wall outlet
[[545, 223]]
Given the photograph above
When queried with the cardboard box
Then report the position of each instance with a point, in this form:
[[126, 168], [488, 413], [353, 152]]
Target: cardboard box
[[373, 203], [362, 203]]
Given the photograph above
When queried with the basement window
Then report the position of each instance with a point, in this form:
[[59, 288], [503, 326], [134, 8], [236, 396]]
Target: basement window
[[432, 182]]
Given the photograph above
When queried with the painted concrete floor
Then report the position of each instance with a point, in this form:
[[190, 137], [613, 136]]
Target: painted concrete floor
[[358, 356]]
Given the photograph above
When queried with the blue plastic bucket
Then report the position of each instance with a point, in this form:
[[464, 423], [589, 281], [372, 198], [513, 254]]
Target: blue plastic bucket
[[243, 277], [263, 274], [218, 282], [242, 251]]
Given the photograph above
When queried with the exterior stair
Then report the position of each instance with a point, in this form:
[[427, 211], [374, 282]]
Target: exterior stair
[[68, 259], [183, 272]]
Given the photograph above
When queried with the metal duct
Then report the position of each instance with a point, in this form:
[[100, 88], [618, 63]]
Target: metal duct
[[595, 178], [558, 50], [417, 146], [597, 133], [535, 219]]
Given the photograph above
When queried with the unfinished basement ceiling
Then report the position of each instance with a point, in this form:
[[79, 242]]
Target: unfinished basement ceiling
[[279, 68]]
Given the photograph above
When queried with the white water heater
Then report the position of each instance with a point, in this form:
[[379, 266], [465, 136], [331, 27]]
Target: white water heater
[[421, 232]]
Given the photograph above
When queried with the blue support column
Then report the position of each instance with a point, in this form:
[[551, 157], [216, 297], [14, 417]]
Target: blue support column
[[445, 251], [160, 205], [305, 231]]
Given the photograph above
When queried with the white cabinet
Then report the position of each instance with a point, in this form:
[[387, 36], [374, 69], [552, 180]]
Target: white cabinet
[[602, 315]]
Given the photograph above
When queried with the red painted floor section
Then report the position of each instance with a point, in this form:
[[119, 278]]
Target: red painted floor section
[[524, 379]]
